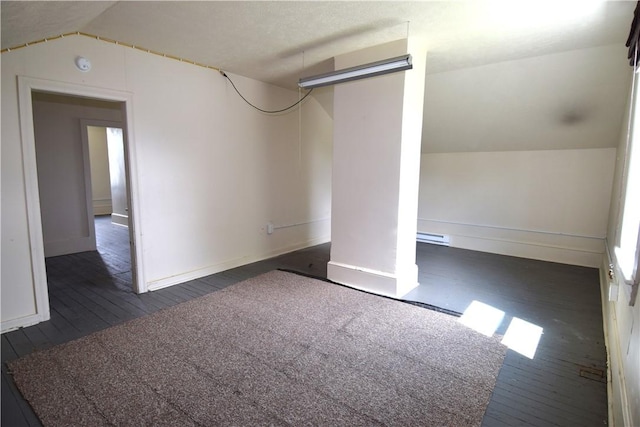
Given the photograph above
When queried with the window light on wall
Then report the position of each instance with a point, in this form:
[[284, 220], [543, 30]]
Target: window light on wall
[[627, 251]]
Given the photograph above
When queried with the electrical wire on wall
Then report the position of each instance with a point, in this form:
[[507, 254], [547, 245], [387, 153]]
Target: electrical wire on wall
[[282, 110]]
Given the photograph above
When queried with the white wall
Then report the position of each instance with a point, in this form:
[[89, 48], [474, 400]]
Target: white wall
[[210, 171], [100, 182], [518, 156], [367, 133], [377, 127], [621, 320], [550, 205]]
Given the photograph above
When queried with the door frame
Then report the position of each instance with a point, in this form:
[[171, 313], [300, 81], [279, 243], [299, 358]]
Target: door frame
[[26, 85]]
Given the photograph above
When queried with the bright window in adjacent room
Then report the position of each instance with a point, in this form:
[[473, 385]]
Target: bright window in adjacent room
[[627, 249]]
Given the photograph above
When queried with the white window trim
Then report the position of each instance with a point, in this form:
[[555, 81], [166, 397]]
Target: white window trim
[[627, 251]]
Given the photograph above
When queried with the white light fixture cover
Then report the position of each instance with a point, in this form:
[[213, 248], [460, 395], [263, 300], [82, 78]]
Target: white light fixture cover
[[377, 68], [83, 64]]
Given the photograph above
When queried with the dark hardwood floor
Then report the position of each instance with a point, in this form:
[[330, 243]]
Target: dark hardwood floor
[[563, 385]]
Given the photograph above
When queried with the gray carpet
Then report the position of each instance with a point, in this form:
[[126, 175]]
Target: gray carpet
[[278, 349]]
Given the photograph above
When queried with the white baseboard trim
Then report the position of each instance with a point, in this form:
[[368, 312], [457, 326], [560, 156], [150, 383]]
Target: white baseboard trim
[[102, 207], [604, 283], [555, 247], [155, 285], [101, 210], [119, 219], [377, 282], [23, 322]]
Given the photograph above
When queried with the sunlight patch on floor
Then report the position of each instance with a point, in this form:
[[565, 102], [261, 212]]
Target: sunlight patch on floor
[[521, 336], [482, 318]]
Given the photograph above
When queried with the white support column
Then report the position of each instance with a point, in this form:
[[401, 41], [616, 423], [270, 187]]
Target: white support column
[[376, 173]]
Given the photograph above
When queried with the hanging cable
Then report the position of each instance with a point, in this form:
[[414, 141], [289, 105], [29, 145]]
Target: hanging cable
[[282, 110]]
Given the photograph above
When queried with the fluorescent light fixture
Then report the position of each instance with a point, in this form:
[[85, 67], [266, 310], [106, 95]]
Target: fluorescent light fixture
[[377, 68]]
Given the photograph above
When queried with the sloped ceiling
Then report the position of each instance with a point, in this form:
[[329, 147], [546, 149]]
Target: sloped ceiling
[[280, 41], [275, 41]]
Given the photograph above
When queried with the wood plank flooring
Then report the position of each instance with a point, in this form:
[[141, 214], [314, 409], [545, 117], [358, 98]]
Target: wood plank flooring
[[560, 386]]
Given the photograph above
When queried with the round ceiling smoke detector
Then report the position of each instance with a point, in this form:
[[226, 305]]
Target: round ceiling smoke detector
[[83, 64]]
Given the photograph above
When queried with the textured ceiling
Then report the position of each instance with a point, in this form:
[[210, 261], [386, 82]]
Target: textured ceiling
[[276, 41]]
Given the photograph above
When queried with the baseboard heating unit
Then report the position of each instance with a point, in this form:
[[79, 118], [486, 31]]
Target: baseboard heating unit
[[434, 239]]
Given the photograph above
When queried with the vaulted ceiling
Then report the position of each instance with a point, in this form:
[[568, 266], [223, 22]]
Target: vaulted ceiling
[[276, 41], [501, 74]]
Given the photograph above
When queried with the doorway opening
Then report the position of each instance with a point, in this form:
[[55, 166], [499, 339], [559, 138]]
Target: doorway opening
[[109, 189], [27, 86], [82, 172], [108, 172]]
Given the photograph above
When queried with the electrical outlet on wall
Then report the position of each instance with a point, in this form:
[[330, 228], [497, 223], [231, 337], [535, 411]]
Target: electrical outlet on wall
[[269, 228]]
